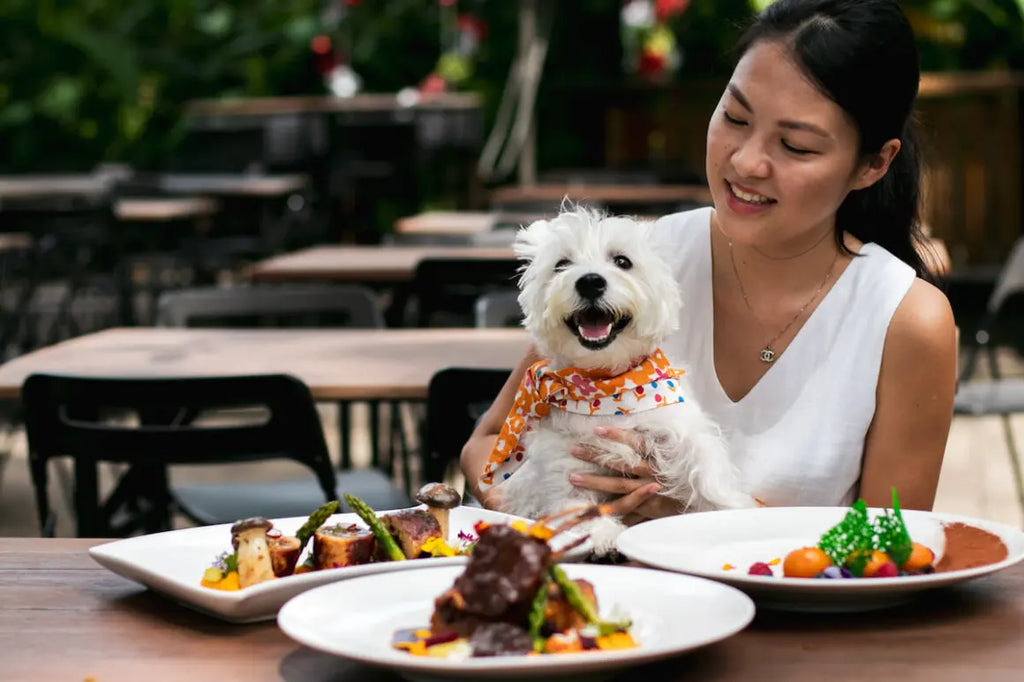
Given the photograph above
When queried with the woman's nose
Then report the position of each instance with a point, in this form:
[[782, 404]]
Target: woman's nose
[[750, 160]]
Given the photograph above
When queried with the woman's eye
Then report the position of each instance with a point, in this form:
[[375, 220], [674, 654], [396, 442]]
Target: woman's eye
[[562, 264], [796, 150], [732, 119], [622, 262]]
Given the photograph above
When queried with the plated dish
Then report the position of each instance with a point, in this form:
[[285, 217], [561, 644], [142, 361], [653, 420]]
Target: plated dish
[[514, 611], [173, 564], [726, 546]]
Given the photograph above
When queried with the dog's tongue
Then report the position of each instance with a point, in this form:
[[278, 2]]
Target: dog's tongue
[[595, 332]]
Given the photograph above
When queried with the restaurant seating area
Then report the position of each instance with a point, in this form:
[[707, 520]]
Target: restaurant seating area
[[258, 286]]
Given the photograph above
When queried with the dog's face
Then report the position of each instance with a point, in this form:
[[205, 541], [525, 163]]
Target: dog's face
[[594, 292]]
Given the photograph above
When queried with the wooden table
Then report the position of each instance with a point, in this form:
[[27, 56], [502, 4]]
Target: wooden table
[[344, 263], [40, 186], [336, 364], [63, 617], [232, 185], [164, 209], [460, 223], [604, 194]]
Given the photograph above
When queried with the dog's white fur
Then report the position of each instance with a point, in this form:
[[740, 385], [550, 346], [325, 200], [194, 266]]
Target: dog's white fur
[[681, 444]]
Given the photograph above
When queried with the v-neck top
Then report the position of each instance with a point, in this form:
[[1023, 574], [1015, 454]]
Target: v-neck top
[[797, 437]]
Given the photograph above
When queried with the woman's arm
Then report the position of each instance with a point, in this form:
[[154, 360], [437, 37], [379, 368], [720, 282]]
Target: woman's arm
[[914, 405], [478, 448]]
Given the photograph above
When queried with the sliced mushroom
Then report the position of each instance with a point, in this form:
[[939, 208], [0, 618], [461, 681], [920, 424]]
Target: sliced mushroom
[[254, 564], [439, 498]]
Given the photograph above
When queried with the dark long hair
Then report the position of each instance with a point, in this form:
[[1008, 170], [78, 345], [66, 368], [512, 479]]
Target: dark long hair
[[862, 55]]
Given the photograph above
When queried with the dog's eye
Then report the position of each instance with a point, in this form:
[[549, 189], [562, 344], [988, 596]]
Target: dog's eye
[[622, 262], [562, 264]]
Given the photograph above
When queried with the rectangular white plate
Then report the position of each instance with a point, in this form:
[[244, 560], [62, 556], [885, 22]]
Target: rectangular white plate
[[173, 562]]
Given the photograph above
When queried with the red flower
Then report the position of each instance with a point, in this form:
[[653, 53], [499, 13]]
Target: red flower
[[650, 64], [664, 9]]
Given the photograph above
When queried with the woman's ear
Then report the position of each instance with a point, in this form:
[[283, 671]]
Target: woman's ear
[[871, 172]]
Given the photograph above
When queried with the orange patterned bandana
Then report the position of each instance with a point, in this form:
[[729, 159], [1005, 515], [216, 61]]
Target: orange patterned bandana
[[652, 383]]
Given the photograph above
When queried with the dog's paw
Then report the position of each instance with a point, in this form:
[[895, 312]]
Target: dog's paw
[[603, 532]]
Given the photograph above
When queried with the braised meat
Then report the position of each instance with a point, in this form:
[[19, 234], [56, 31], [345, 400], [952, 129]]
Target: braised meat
[[499, 584], [284, 552]]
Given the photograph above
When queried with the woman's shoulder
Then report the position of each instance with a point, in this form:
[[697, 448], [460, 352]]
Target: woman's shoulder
[[922, 326], [685, 227]]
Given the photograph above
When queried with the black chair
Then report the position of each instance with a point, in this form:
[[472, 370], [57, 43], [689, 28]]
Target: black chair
[[990, 393], [445, 290], [290, 305], [75, 245], [498, 309], [456, 398], [285, 305], [85, 419]]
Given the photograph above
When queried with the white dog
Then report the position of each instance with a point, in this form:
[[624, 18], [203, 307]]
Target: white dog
[[598, 300]]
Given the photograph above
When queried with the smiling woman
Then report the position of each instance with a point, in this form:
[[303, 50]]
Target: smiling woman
[[810, 333]]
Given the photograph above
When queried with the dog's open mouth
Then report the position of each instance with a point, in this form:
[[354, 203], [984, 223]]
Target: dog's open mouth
[[596, 328]]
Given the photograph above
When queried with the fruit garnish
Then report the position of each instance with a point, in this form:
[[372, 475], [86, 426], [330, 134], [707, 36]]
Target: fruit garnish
[[921, 559], [760, 568], [806, 562]]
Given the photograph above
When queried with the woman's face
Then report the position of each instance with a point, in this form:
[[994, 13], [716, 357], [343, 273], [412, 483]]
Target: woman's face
[[781, 156]]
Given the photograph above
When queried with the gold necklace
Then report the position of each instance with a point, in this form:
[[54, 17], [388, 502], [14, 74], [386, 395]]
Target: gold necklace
[[795, 255], [767, 354]]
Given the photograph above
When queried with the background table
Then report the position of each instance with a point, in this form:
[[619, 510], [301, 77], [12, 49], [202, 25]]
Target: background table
[[63, 617], [344, 263], [336, 364]]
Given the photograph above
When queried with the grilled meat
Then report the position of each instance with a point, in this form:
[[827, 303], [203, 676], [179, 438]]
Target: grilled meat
[[410, 529]]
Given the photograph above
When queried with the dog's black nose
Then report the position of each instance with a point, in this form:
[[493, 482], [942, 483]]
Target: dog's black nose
[[590, 286]]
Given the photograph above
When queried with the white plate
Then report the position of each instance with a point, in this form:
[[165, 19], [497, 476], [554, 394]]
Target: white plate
[[671, 614], [173, 563], [701, 544]]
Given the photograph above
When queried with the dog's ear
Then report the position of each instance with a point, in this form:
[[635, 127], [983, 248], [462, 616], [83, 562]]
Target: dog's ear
[[528, 240]]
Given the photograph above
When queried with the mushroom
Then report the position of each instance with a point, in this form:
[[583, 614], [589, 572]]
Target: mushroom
[[250, 538], [439, 498]]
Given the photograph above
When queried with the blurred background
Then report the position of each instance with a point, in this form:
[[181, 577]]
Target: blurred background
[[148, 147]]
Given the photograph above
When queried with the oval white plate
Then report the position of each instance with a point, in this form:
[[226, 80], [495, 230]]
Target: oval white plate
[[702, 544], [671, 614], [173, 563]]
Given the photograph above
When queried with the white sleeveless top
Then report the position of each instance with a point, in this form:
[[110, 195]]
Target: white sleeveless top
[[798, 436]]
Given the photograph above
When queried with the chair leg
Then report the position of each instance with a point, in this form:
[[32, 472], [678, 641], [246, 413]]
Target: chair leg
[[47, 522], [86, 500], [344, 434], [1015, 463]]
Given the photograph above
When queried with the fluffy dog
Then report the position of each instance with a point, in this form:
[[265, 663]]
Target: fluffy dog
[[599, 301]]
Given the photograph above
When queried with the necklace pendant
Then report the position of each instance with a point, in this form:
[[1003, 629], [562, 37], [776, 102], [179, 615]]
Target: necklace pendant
[[767, 354]]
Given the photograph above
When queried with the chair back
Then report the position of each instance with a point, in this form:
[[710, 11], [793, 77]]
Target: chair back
[[446, 289], [456, 399], [996, 323], [70, 417], [277, 305], [498, 309]]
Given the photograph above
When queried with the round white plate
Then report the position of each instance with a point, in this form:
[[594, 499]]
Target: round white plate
[[703, 544], [671, 614]]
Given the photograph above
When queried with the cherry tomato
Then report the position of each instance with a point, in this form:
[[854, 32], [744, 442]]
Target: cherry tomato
[[876, 565], [806, 562], [920, 559]]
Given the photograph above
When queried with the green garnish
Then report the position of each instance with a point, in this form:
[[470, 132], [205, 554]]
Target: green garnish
[[315, 520], [893, 538], [387, 543], [850, 542], [583, 606], [537, 608], [850, 536]]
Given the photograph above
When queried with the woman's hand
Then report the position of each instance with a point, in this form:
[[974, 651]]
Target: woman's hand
[[636, 485]]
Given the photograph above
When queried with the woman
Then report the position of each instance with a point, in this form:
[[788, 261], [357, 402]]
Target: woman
[[816, 343]]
